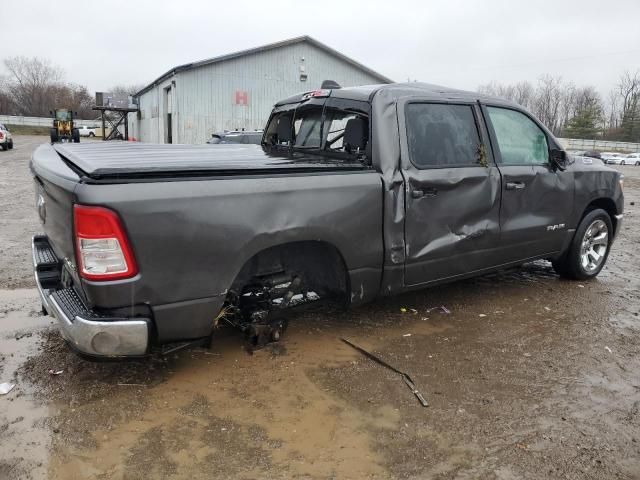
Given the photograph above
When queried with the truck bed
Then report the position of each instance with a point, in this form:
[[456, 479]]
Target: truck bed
[[108, 160]]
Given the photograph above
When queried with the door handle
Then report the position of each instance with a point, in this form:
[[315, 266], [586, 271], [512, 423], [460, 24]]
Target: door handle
[[515, 185], [426, 192]]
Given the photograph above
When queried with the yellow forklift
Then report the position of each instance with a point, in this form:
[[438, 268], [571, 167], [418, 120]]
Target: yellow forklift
[[63, 129]]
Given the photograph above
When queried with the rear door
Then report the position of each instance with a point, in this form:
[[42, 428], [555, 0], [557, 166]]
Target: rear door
[[537, 199], [452, 190]]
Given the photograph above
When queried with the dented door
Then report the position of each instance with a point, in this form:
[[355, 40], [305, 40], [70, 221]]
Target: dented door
[[452, 190]]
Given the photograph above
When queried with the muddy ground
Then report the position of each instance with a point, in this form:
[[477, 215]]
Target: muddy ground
[[528, 377]]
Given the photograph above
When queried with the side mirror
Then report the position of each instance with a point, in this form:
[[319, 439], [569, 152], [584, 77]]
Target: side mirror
[[559, 158]]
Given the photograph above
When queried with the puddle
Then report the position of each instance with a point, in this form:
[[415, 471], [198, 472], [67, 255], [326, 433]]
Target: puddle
[[25, 439]]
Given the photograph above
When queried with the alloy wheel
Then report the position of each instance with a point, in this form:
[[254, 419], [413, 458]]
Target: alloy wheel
[[594, 246]]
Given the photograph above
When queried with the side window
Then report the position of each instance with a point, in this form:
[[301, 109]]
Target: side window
[[520, 140], [335, 128], [442, 135]]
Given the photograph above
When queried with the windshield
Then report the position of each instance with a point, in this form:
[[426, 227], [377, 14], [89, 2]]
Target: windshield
[[62, 115], [323, 129]]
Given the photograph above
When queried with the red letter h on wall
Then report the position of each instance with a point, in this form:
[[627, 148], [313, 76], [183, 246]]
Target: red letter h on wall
[[242, 98]]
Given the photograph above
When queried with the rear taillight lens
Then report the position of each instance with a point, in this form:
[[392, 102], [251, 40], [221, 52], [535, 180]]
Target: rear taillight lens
[[1, 135], [102, 246]]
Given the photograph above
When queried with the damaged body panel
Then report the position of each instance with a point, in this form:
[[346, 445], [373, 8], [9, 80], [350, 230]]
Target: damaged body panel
[[211, 221], [354, 193]]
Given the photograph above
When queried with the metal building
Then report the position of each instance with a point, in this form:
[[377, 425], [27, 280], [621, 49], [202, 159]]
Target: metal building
[[190, 102]]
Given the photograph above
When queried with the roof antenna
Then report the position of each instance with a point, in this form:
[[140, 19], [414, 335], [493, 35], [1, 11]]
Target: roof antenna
[[330, 84]]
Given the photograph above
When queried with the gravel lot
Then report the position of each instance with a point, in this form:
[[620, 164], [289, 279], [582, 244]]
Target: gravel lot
[[528, 377]]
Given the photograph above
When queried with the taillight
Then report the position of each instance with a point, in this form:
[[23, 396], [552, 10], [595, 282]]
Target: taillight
[[1, 135], [102, 247]]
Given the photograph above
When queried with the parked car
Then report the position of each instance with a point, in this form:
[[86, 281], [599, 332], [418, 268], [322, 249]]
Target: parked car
[[613, 158], [6, 141], [593, 154], [87, 131], [633, 159], [252, 137], [355, 193]]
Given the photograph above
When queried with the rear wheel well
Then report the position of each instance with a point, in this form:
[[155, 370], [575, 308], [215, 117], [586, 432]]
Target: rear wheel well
[[605, 204], [320, 266]]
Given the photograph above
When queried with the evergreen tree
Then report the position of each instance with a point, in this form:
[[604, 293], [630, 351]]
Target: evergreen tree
[[586, 121]]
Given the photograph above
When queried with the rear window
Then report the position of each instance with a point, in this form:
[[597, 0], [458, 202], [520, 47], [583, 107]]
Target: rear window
[[337, 129], [307, 125]]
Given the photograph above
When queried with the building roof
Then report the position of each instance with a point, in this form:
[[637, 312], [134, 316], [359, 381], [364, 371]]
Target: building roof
[[264, 48]]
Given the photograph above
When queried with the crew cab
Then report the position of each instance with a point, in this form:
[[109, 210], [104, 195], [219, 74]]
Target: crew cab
[[354, 193]]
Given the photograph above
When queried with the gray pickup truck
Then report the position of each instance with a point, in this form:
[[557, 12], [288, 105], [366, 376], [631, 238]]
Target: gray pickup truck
[[354, 193]]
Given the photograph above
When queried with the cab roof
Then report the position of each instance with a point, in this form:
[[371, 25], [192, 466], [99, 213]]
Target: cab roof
[[365, 93]]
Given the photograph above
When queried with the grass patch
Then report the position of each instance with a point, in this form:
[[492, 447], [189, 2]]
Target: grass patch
[[28, 130]]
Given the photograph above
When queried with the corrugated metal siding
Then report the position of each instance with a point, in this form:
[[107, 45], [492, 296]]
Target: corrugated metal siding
[[204, 98]]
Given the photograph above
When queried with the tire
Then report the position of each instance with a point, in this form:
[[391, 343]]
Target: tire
[[579, 262], [4, 146], [91, 134], [638, 163], [622, 162], [11, 145], [75, 135], [53, 134]]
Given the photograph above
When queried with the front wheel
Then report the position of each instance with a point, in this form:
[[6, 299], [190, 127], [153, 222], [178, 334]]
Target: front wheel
[[11, 145], [622, 162], [589, 249], [638, 163]]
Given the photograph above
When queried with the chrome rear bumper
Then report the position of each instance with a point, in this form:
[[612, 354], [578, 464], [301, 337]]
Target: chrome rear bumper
[[87, 331]]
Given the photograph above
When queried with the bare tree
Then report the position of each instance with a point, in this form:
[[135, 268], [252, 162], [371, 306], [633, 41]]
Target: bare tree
[[629, 91], [127, 89], [568, 106], [629, 95], [34, 87], [613, 117], [548, 99], [524, 93], [30, 84], [7, 105], [552, 100]]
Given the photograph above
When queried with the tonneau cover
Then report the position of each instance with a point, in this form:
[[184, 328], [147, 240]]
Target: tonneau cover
[[120, 159]]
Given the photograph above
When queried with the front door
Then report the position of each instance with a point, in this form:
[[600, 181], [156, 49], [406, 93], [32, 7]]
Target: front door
[[537, 199], [452, 192]]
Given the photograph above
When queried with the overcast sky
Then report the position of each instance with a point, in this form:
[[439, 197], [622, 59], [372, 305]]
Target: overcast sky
[[456, 43]]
